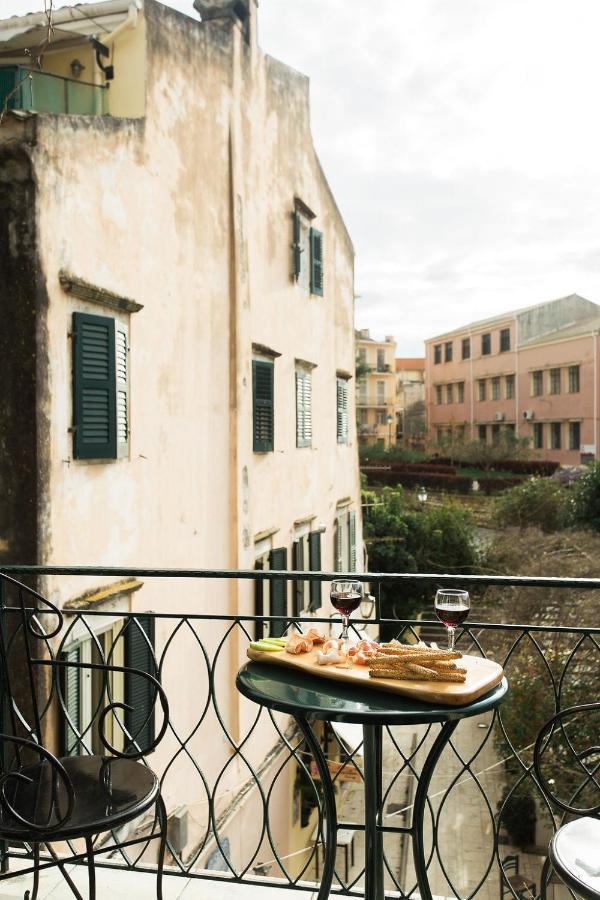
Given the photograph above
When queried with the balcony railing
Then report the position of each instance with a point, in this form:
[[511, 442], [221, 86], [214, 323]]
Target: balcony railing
[[241, 776], [364, 400], [29, 89]]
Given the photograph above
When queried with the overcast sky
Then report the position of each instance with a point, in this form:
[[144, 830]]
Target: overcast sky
[[462, 142]]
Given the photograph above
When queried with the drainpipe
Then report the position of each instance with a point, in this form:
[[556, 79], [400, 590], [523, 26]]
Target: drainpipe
[[472, 385], [129, 22]]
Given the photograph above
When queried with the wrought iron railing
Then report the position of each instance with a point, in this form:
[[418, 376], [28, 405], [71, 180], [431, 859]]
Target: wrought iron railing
[[243, 799]]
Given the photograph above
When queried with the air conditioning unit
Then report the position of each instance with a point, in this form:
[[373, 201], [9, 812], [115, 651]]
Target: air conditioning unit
[[177, 828], [499, 417], [528, 415]]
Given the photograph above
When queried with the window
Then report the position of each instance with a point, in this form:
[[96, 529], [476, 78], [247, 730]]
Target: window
[[460, 433], [262, 405], [482, 433], [555, 435], [509, 387], [439, 434], [481, 390], [537, 383], [466, 348], [460, 391], [270, 597], [486, 344], [363, 417], [448, 351], [538, 435], [303, 408], [345, 541], [362, 391], [306, 555], [504, 340], [380, 359], [555, 381], [573, 379], [495, 434], [495, 388], [342, 410], [437, 353], [574, 435], [381, 417], [449, 393], [380, 393], [119, 642], [316, 262], [510, 429], [438, 394], [100, 387]]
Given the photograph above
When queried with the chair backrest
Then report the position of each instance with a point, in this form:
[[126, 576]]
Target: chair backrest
[[567, 760], [510, 863]]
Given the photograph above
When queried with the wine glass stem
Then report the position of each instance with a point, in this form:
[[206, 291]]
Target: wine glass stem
[[450, 638], [345, 643]]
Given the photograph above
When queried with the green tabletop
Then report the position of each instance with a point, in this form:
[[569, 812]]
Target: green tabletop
[[298, 693]]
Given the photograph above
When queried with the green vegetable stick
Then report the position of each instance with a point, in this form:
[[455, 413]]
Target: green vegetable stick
[[259, 645]]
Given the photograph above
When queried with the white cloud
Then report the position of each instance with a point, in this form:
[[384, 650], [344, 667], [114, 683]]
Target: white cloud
[[462, 143]]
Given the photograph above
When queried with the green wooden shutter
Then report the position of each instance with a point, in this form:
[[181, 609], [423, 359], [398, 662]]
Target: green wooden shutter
[[279, 607], [139, 692], [342, 410], [298, 584], [71, 690], [314, 557], [352, 539], [94, 388], [316, 262], [259, 602], [122, 390], [262, 397], [297, 249]]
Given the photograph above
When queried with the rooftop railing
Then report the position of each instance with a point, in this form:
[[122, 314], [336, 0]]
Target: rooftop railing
[[244, 801], [30, 89]]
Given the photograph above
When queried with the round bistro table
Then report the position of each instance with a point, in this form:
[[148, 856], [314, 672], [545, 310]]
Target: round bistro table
[[307, 698]]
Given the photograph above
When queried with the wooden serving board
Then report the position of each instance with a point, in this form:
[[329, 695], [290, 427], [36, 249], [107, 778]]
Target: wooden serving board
[[482, 676]]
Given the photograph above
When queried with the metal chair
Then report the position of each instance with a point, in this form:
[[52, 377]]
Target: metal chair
[[571, 738], [521, 885], [45, 799]]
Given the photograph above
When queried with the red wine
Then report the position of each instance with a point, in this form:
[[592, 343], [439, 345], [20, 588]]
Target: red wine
[[345, 603], [452, 615]]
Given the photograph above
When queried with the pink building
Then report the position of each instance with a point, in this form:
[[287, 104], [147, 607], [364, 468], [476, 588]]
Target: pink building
[[533, 372]]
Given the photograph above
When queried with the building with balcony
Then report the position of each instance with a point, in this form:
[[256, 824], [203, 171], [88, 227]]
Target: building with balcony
[[410, 400], [532, 373], [376, 389], [177, 353]]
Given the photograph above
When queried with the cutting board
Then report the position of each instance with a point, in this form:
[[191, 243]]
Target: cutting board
[[482, 676]]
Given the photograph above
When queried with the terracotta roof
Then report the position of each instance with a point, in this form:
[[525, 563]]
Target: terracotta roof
[[410, 362]]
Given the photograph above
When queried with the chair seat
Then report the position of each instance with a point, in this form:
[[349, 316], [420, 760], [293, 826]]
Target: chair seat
[[108, 793], [574, 844], [521, 883]]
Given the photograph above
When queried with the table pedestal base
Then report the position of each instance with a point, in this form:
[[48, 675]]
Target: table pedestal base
[[374, 829]]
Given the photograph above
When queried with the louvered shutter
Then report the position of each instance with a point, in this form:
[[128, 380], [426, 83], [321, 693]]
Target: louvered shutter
[[314, 557], [278, 561], [296, 247], [352, 539], [316, 262], [94, 389], [303, 409], [342, 411], [71, 690], [298, 585], [139, 692], [122, 390], [259, 601], [262, 390], [339, 546]]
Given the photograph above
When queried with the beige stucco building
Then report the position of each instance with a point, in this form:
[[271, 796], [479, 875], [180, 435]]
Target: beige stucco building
[[533, 373], [376, 389], [410, 399], [177, 347]]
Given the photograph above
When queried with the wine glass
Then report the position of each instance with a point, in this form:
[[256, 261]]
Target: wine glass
[[345, 597], [452, 608]]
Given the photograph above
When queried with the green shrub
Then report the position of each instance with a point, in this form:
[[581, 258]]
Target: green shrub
[[585, 500], [401, 539], [537, 501]]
